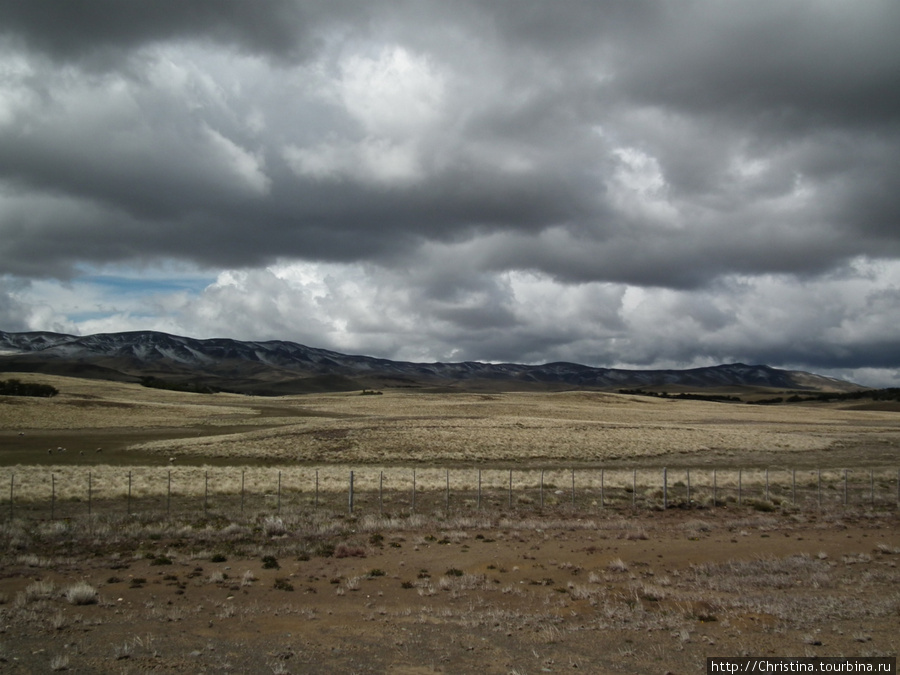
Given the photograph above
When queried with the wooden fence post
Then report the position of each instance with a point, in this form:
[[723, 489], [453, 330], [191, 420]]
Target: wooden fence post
[[542, 490], [634, 488], [845, 488], [479, 489], [688, 487], [715, 489], [665, 488], [350, 498], [53, 497], [573, 488], [819, 487], [602, 496], [793, 486], [872, 487]]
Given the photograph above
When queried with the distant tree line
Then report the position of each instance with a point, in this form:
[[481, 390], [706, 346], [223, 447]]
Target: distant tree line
[[189, 387], [682, 396], [889, 394], [19, 388]]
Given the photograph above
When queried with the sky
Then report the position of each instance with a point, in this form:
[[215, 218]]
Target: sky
[[621, 183]]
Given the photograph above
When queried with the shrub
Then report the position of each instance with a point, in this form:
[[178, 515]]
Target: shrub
[[282, 584], [274, 527], [81, 593], [349, 551]]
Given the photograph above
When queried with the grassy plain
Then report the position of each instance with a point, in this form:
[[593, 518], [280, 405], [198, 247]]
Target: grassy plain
[[511, 588], [549, 430]]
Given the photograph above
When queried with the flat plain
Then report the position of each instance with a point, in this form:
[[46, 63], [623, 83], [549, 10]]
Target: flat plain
[[534, 583]]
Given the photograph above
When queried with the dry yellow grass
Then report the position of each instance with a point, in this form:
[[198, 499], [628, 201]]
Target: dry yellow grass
[[67, 482], [335, 433]]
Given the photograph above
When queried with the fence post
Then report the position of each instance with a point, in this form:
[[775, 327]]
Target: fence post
[[542, 489], [479, 488], [602, 497], [128, 506], [573, 488], [688, 487], [205, 492], [350, 498], [634, 488], [793, 486], [52, 496], [243, 471], [845, 488], [169, 496], [278, 503], [872, 486], [715, 486], [12, 480], [665, 488], [381, 494], [819, 487]]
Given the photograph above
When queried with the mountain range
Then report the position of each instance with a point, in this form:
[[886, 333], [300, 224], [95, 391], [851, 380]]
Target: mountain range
[[276, 367]]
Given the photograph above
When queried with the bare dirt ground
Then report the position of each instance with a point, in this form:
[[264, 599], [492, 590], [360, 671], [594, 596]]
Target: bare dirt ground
[[654, 592], [504, 590]]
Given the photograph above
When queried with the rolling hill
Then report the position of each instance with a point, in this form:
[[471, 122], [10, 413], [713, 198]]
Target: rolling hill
[[277, 367]]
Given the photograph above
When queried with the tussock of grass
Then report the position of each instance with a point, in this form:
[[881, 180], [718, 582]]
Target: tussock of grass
[[81, 593]]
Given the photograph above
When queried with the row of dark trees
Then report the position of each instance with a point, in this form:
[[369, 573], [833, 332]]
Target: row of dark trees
[[889, 394], [19, 388]]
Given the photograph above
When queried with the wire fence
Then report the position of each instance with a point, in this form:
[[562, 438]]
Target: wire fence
[[230, 491]]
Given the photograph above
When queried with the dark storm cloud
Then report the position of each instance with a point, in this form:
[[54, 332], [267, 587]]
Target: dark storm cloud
[[692, 87], [442, 147], [86, 29]]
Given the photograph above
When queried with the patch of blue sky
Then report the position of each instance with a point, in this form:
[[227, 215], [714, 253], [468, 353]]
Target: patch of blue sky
[[132, 286]]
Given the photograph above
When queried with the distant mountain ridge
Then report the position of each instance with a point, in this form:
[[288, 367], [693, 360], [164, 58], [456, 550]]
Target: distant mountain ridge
[[280, 367]]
